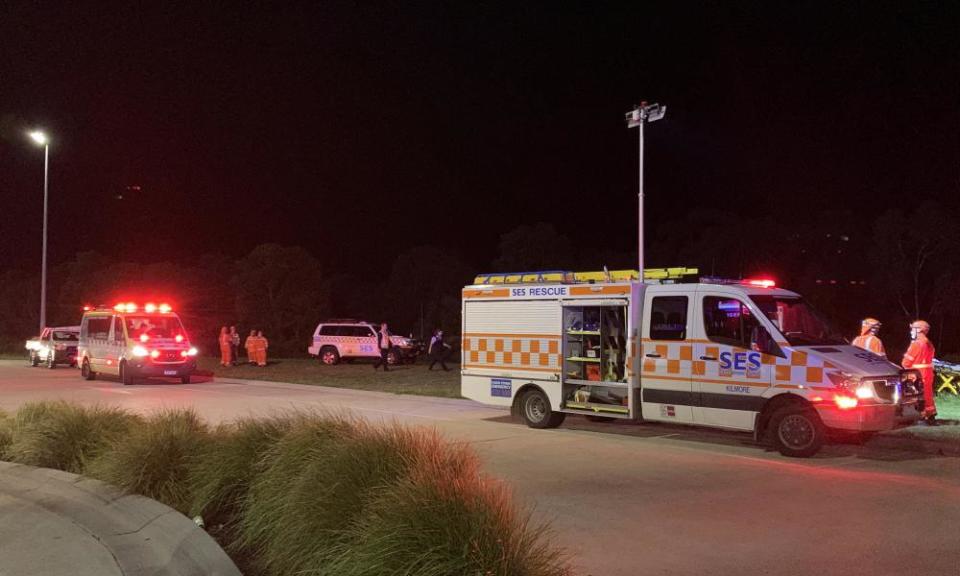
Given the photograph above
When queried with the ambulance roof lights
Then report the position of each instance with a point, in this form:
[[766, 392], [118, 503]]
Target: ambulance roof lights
[[760, 282], [149, 308]]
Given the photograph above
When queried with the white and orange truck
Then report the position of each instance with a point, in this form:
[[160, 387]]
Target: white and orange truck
[[674, 347]]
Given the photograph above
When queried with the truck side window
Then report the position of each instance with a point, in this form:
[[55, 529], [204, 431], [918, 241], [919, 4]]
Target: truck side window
[[668, 318], [729, 321]]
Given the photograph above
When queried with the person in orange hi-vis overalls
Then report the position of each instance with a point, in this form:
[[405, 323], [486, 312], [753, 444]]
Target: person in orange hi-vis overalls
[[225, 343], [251, 346], [868, 339], [919, 356], [262, 345]]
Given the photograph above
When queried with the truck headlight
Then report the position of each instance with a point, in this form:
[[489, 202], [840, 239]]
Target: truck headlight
[[139, 351], [865, 391]]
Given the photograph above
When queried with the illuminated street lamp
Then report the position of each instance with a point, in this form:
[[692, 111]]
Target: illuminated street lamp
[[636, 118], [41, 140]]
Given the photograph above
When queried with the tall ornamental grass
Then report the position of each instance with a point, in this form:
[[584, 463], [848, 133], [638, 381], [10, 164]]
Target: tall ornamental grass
[[301, 493], [65, 436]]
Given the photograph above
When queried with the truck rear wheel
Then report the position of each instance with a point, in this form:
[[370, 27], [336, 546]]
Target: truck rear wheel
[[329, 355], [797, 431], [536, 411]]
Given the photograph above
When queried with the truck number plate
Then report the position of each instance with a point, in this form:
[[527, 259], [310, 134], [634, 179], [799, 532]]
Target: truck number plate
[[169, 372]]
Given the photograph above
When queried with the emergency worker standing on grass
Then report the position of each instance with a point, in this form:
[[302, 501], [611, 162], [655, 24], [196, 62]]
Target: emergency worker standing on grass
[[384, 343], [225, 344], [251, 344], [919, 356], [438, 350], [262, 345], [868, 338], [234, 345]]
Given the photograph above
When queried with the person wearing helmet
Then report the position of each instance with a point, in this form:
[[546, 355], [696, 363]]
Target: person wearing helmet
[[868, 338], [919, 356]]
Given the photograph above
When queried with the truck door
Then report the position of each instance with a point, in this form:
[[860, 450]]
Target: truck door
[[733, 363], [666, 357], [118, 345]]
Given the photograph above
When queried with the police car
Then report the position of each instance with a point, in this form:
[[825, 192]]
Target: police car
[[334, 340], [131, 341]]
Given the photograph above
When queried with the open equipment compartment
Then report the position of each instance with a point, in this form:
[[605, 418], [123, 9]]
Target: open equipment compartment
[[595, 357]]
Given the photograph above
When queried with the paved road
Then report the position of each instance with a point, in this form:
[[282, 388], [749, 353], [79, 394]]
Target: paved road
[[636, 499]]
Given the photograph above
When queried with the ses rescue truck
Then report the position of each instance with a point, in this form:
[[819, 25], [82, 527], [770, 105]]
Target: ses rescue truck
[[129, 341], [742, 355]]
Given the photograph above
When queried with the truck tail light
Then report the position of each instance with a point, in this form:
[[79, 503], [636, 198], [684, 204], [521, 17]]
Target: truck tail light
[[845, 402]]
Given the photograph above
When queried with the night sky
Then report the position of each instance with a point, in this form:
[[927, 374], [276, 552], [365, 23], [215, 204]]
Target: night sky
[[360, 130]]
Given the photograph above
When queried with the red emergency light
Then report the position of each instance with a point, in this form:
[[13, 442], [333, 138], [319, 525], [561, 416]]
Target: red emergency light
[[845, 402], [149, 307], [760, 282]]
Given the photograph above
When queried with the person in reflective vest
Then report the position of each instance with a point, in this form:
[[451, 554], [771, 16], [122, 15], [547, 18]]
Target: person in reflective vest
[[262, 345], [251, 346], [868, 338], [225, 343], [919, 356]]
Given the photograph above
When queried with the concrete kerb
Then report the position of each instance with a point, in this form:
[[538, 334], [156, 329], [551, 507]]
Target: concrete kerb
[[143, 536]]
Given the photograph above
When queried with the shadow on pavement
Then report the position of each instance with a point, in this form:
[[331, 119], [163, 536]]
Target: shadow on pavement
[[838, 447]]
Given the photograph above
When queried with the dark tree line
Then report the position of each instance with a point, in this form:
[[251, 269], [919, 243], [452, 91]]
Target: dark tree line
[[900, 266]]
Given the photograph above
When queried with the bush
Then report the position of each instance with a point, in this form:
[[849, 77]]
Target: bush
[[446, 520], [6, 433], [312, 484], [301, 493], [155, 458], [65, 436], [223, 471]]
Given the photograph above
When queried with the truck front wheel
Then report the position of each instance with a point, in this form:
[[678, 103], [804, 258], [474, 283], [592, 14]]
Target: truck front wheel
[[797, 431], [86, 372], [536, 411]]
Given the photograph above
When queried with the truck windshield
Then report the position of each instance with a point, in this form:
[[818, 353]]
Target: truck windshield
[[153, 326], [64, 336], [800, 324]]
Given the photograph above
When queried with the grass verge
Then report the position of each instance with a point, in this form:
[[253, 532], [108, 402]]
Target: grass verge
[[303, 493], [404, 379]]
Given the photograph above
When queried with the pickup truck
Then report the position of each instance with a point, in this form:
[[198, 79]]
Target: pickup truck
[[55, 345]]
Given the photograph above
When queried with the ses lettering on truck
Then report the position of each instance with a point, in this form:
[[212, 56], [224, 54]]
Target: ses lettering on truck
[[745, 363], [539, 291], [501, 387]]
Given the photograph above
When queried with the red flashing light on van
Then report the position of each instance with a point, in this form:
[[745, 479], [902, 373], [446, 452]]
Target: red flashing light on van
[[761, 283]]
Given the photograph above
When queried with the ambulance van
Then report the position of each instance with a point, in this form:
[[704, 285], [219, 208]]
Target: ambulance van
[[741, 355], [130, 342]]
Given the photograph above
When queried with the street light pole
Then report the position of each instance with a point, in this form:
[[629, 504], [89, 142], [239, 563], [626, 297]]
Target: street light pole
[[41, 139], [636, 118]]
